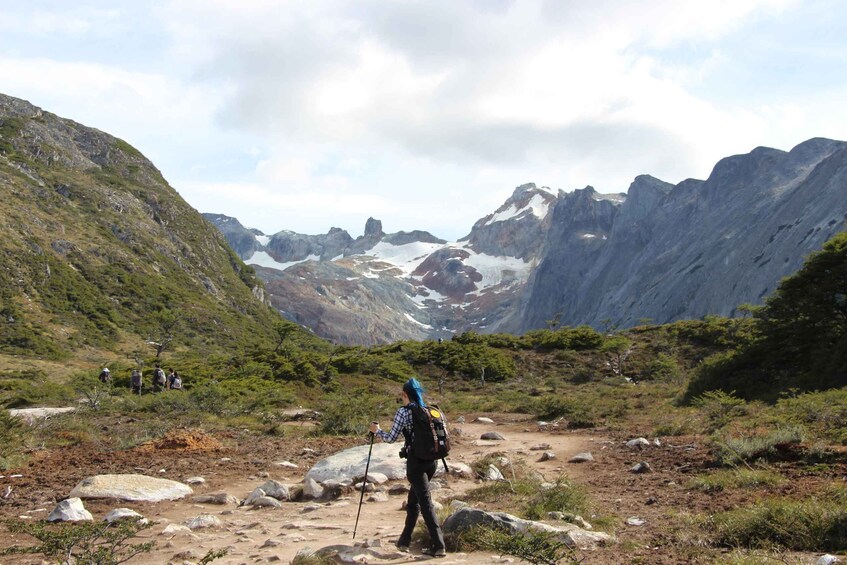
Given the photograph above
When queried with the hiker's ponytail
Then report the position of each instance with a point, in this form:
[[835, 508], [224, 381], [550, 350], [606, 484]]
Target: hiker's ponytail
[[414, 391]]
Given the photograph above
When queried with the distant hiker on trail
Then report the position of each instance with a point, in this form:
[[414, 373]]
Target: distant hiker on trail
[[105, 376], [419, 470], [160, 381], [176, 382], [135, 381], [171, 376]]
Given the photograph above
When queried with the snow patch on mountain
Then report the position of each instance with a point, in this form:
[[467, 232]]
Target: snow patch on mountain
[[537, 206], [405, 257], [263, 239], [262, 259]]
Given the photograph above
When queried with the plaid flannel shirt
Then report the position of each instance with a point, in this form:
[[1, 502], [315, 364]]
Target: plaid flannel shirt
[[402, 422]]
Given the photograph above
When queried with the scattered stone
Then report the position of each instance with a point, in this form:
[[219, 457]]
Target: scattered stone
[[258, 492], [311, 488], [266, 502], [458, 505], [492, 436], [484, 420], [826, 559], [367, 487], [204, 521], [460, 420], [311, 508], [308, 451], [657, 442], [373, 478], [635, 521], [639, 442], [437, 506], [215, 498], [399, 488], [286, 464], [137, 488], [571, 519], [540, 447], [493, 474], [547, 456], [642, 467], [583, 457], [271, 543], [225, 459], [378, 497], [174, 529], [276, 489], [30, 415], [195, 481], [122, 514], [70, 510], [651, 500], [264, 475], [187, 554]]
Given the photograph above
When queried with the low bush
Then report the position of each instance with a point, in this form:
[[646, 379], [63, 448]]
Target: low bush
[[736, 478], [807, 525], [778, 444], [541, 548]]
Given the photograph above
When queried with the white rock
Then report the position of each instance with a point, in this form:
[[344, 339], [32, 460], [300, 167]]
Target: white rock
[[138, 488], [276, 489], [287, 464], [457, 504], [635, 521], [581, 457], [215, 498], [484, 420], [350, 463], [257, 493], [826, 559], [266, 502], [30, 415], [195, 481], [122, 513], [204, 521], [547, 456], [541, 447], [494, 474], [378, 497], [492, 436], [70, 510], [638, 442], [311, 488], [174, 529]]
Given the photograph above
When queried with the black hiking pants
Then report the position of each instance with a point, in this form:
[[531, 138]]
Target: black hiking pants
[[419, 472]]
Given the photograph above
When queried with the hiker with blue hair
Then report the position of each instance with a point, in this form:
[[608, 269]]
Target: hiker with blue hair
[[418, 471]]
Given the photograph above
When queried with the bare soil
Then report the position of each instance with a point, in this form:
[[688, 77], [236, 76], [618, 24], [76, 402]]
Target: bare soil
[[236, 462]]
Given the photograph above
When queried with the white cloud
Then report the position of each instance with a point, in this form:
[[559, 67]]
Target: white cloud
[[303, 115]]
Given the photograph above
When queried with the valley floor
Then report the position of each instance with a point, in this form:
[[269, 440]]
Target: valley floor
[[236, 462]]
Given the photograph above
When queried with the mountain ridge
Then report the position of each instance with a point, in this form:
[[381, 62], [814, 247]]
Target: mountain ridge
[[582, 257]]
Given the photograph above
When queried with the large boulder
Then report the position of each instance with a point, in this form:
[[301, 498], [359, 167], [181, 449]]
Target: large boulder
[[573, 536], [138, 488], [345, 465]]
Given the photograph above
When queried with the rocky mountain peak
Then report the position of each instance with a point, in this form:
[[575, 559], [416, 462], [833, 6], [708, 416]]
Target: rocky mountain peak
[[373, 228]]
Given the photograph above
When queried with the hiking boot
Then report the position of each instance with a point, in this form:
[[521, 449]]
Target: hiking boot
[[435, 552], [402, 547]]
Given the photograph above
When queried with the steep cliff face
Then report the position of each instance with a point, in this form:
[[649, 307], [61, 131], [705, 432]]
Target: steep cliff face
[[660, 252], [700, 248], [95, 245]]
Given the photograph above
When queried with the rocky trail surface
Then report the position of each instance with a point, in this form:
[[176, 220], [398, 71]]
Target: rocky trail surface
[[224, 469]]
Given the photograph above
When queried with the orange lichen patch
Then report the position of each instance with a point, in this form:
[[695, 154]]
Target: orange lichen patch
[[183, 440]]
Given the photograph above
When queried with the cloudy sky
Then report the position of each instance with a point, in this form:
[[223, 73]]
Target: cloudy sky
[[426, 114]]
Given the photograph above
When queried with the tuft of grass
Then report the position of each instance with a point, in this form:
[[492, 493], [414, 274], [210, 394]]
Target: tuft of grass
[[776, 444], [308, 557], [809, 525], [736, 478], [538, 548]]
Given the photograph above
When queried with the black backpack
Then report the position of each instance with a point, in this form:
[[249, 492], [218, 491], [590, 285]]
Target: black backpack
[[430, 441]]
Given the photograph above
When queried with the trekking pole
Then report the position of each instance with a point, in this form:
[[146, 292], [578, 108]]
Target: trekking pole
[[364, 482]]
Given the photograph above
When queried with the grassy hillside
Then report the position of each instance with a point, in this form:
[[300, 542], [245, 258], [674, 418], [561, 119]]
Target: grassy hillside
[[99, 255]]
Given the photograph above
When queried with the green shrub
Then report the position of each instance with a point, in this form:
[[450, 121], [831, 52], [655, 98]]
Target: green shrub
[[89, 542], [577, 413], [349, 413], [736, 478], [776, 444], [720, 408], [541, 548], [808, 525], [13, 435], [562, 496], [823, 412]]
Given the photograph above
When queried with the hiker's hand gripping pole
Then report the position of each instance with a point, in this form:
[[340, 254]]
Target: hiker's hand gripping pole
[[364, 483]]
